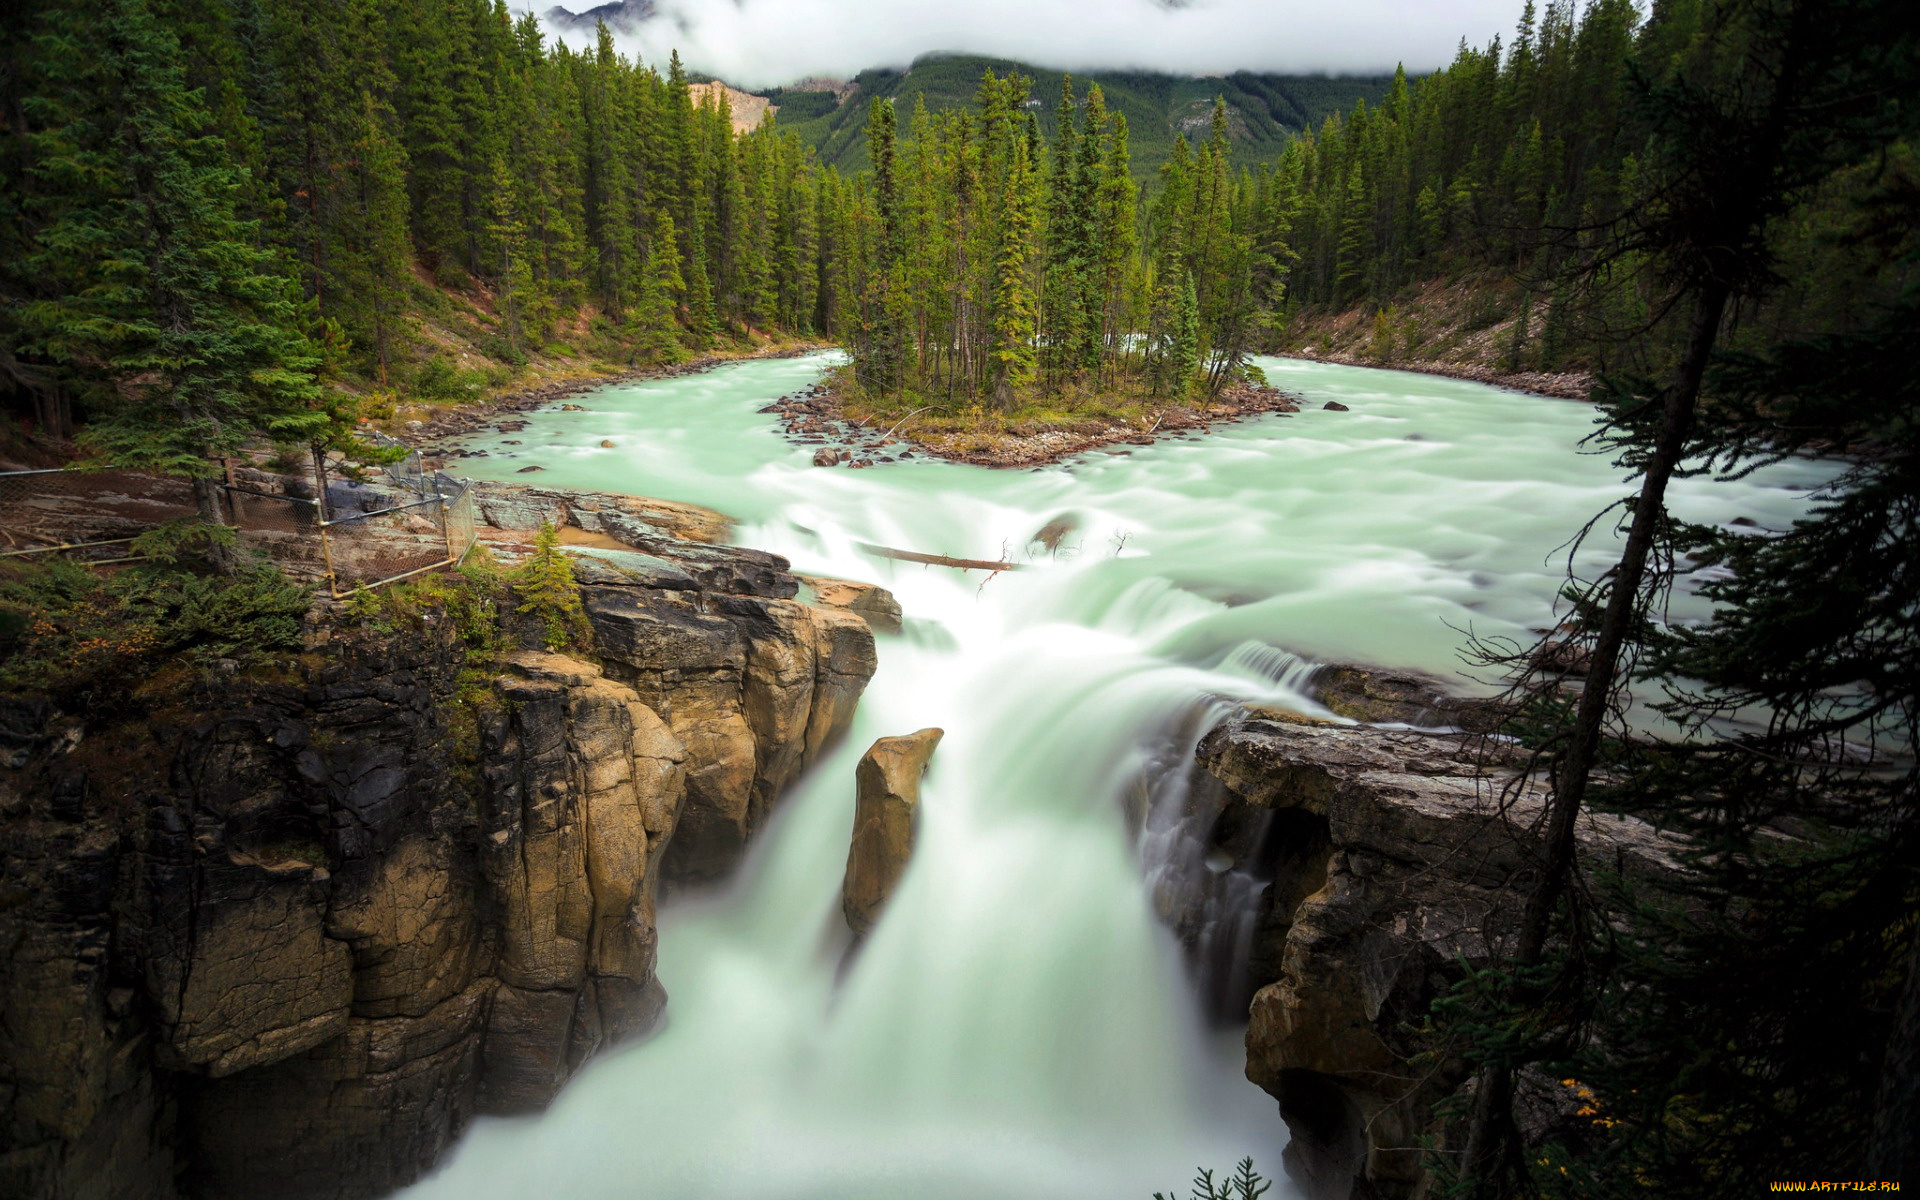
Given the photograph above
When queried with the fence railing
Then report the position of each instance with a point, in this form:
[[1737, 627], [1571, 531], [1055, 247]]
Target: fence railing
[[381, 545], [386, 524], [87, 515]]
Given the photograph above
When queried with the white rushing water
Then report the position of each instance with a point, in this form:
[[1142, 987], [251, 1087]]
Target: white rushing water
[[1018, 1025]]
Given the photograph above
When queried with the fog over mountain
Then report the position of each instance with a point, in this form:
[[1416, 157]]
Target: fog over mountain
[[764, 43]]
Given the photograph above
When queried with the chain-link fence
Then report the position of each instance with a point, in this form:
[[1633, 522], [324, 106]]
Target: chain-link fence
[[373, 546], [358, 528], [88, 515]]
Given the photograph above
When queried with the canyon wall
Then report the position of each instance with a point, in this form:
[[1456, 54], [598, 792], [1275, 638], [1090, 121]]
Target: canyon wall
[[1389, 858], [286, 931]]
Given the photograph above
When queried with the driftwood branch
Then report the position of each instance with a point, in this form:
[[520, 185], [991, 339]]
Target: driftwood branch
[[903, 420], [938, 560]]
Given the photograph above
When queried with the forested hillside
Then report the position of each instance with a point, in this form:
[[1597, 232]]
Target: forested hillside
[[1264, 111], [201, 193], [1509, 179]]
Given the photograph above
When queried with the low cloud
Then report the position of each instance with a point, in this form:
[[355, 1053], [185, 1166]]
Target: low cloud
[[765, 43]]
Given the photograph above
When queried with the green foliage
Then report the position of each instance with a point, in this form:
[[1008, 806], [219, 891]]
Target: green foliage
[[156, 295], [440, 381], [211, 213], [1244, 1184], [546, 589], [89, 639], [1751, 1017], [469, 597]]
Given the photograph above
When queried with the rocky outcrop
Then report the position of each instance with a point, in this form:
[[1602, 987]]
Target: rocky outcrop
[[286, 933], [1402, 859], [886, 805], [633, 520], [873, 603], [1380, 695]]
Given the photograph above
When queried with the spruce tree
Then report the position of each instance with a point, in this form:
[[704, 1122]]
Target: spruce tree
[[1012, 307], [188, 327]]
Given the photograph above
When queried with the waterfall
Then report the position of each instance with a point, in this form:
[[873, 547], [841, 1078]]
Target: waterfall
[[1019, 1024]]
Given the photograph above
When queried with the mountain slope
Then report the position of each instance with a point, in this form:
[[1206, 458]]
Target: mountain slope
[[1264, 111]]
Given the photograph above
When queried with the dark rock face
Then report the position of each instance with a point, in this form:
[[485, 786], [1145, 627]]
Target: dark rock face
[[1397, 865], [288, 936], [1394, 697]]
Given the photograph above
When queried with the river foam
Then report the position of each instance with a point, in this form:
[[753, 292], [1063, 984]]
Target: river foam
[[1018, 1025]]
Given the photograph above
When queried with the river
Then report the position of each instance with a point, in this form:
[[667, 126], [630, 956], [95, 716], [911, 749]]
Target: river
[[1018, 1026]]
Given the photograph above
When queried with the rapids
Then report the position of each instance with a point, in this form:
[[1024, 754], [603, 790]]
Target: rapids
[[1019, 1026]]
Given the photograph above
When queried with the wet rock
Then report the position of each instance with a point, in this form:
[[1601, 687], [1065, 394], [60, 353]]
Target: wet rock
[[887, 796], [1334, 406], [826, 456], [1418, 861], [572, 408], [1385, 696], [870, 601], [520, 506], [1050, 536], [518, 511], [530, 470], [607, 443], [353, 909], [1560, 656]]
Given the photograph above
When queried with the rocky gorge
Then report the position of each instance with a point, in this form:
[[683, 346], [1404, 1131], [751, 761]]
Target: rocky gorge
[[287, 932], [293, 930], [1389, 860]]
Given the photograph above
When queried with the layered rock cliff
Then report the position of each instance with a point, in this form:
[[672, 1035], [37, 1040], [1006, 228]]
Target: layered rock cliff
[[286, 932], [1390, 857]]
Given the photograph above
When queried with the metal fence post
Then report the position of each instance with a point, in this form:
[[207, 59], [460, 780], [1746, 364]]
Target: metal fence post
[[446, 526]]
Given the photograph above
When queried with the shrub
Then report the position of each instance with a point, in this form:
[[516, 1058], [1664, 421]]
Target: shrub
[[501, 350], [91, 639], [439, 381]]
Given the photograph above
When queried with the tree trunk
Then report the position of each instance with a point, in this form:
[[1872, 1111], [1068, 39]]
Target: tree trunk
[[1894, 1153], [223, 554]]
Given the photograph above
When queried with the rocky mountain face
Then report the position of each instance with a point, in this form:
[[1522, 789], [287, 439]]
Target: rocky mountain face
[[287, 933], [621, 16], [1390, 857]]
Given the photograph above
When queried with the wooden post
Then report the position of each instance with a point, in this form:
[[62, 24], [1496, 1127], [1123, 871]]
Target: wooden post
[[320, 481]]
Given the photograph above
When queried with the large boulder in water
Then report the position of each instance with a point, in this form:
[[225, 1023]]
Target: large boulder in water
[[888, 794]]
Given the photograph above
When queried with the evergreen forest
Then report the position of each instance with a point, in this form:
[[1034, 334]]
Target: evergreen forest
[[234, 221]]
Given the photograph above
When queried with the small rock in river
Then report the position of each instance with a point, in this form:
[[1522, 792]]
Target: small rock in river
[[571, 408], [528, 470], [606, 443], [1335, 406]]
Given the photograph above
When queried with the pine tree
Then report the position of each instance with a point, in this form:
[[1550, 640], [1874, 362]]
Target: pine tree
[[517, 286], [654, 329], [1182, 359], [881, 360], [1013, 322], [192, 328], [548, 591]]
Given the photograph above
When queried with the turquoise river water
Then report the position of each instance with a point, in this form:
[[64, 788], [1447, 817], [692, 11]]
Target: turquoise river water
[[1019, 1027]]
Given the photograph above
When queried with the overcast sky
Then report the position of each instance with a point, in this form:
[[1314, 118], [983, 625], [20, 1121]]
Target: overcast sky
[[762, 43]]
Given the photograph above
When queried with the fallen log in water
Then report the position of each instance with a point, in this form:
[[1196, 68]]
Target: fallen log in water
[[938, 560]]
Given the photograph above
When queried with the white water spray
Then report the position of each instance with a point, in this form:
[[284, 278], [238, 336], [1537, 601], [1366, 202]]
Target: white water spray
[[1018, 1025]]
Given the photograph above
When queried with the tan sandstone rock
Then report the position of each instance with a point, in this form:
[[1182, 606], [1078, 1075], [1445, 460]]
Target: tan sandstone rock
[[871, 601], [1418, 860], [887, 796]]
